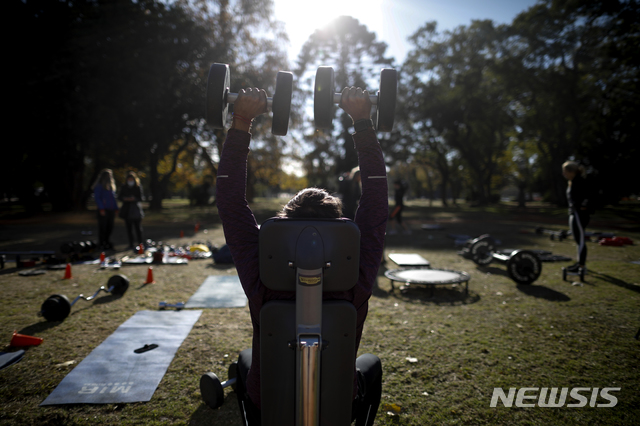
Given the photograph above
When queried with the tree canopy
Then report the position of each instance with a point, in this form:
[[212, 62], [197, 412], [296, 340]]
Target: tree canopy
[[121, 84]]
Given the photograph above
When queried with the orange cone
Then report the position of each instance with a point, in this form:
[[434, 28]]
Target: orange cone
[[67, 272], [102, 257], [150, 279], [140, 249], [22, 340], [181, 234]]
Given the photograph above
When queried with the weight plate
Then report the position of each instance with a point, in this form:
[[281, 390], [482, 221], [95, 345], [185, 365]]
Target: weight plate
[[323, 98], [233, 373], [385, 113], [481, 250], [217, 88], [120, 284], [56, 307], [281, 105], [524, 267], [211, 390]]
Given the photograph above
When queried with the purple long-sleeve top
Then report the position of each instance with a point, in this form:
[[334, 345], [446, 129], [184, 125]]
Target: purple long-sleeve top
[[241, 234]]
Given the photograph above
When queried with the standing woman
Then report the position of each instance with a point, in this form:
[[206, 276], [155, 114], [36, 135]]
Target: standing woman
[[579, 213], [131, 197], [105, 196]]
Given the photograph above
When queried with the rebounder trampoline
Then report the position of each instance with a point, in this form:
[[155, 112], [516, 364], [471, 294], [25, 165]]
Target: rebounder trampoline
[[430, 277]]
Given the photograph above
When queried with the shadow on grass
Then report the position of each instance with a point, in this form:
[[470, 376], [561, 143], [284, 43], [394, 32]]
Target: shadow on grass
[[221, 266], [429, 294], [39, 327], [615, 281], [228, 413], [543, 292]]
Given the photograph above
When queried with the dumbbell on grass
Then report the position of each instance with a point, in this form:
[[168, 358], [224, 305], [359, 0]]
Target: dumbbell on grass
[[165, 305], [523, 266], [325, 98], [219, 98], [57, 306], [580, 272], [212, 390]]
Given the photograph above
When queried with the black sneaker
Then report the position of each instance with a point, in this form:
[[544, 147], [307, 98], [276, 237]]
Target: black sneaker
[[573, 268]]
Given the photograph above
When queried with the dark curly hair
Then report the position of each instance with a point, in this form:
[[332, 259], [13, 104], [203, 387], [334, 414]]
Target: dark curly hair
[[313, 203]]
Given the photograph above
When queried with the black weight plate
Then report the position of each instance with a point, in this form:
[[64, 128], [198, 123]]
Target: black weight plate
[[56, 307], [120, 284], [217, 88], [524, 267], [481, 250], [211, 390], [385, 113], [233, 373], [281, 105], [323, 98]]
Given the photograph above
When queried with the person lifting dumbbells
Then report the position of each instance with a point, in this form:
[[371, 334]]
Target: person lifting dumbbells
[[241, 233]]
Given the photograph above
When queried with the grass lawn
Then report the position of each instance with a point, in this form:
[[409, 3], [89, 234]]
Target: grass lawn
[[443, 353]]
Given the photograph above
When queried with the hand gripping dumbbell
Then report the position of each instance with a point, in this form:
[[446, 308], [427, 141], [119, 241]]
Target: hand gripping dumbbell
[[57, 306], [219, 98], [325, 98], [212, 390], [523, 266]]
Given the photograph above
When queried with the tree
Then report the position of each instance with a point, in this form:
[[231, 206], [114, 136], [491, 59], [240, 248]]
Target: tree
[[457, 104], [578, 75], [119, 82], [356, 57]]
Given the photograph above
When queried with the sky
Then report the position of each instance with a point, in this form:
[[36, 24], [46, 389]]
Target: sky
[[392, 20]]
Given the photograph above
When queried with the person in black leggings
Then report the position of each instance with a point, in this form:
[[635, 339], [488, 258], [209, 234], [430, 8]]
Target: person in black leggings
[[579, 209]]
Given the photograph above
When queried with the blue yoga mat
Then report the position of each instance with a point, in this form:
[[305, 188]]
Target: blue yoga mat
[[219, 291], [114, 373]]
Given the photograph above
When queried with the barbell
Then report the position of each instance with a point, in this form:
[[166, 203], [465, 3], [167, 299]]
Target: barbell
[[212, 390], [219, 98], [57, 306], [523, 266], [325, 98]]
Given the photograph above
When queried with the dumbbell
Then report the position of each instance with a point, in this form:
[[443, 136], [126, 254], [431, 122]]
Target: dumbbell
[[523, 266], [212, 390], [325, 98], [57, 306], [219, 98], [579, 272], [165, 305]]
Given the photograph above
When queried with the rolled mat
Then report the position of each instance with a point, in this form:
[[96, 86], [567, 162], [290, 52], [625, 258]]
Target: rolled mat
[[114, 373], [219, 291]]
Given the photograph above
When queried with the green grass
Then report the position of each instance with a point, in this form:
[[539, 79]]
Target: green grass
[[549, 334]]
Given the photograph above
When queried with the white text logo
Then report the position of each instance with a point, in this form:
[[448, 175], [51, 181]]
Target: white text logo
[[554, 397]]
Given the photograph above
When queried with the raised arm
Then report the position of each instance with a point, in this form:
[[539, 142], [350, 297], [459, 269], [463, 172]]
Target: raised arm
[[372, 212], [239, 224]]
